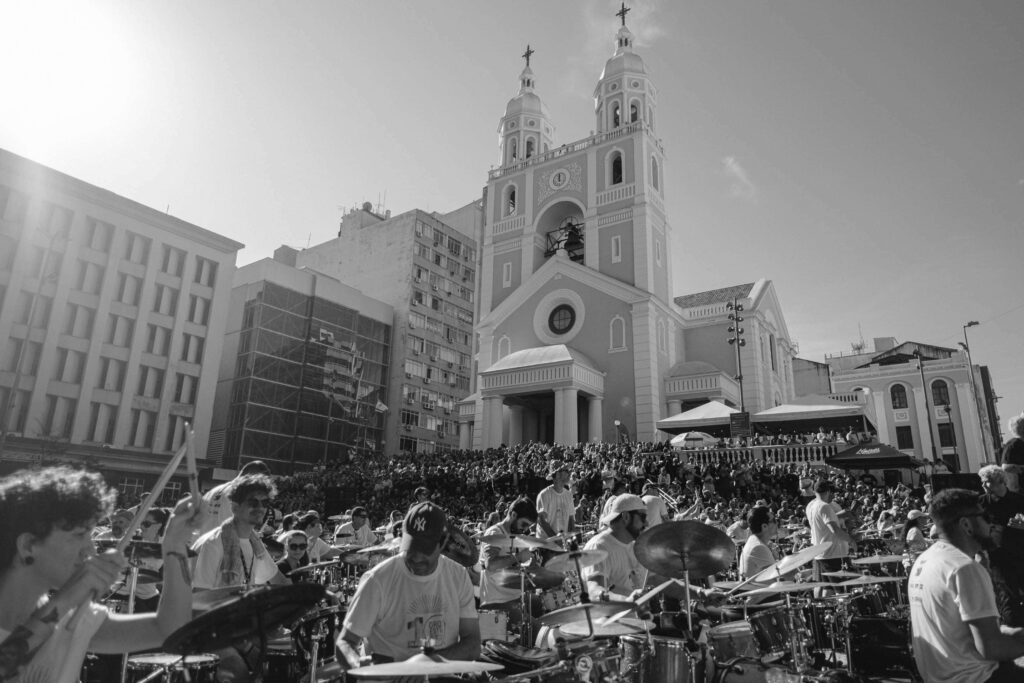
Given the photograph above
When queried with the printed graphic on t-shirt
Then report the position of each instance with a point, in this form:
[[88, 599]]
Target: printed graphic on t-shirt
[[425, 621]]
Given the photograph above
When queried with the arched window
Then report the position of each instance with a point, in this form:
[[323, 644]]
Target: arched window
[[898, 393], [771, 350], [513, 150], [634, 113], [617, 334], [529, 147], [616, 168], [940, 392], [616, 116], [504, 347], [510, 200], [654, 173]]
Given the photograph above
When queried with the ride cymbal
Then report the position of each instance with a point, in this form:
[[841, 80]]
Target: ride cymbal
[[424, 666], [520, 542], [791, 562], [694, 548], [574, 613]]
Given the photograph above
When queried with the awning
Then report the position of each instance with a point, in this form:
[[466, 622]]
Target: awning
[[710, 414], [873, 456], [811, 412]]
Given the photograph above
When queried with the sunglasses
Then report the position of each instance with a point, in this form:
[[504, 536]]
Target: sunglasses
[[147, 524], [293, 546]]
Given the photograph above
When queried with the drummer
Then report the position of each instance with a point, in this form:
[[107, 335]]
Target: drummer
[[49, 571], [619, 576], [758, 553], [417, 598], [356, 531], [497, 557], [555, 507]]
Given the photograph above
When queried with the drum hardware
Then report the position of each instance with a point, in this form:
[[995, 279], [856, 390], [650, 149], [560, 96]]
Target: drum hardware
[[168, 667]]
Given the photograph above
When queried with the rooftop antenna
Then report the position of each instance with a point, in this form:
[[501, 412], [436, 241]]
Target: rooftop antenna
[[308, 239]]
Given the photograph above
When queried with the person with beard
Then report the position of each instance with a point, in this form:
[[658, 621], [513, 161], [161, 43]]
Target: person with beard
[[1006, 560], [619, 576], [498, 558], [955, 630]]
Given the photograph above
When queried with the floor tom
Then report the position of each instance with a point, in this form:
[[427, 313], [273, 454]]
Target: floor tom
[[774, 629], [662, 660], [733, 639]]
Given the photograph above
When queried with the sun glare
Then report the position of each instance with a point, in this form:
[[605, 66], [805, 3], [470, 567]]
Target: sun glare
[[68, 70]]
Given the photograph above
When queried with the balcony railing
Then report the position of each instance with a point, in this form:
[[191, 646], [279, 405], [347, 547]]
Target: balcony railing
[[793, 454]]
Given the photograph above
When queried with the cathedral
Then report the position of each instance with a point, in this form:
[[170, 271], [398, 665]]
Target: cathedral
[[580, 337]]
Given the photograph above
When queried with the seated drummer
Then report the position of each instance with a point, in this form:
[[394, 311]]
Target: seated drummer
[[758, 554], [499, 559], [619, 576], [417, 598], [356, 531]]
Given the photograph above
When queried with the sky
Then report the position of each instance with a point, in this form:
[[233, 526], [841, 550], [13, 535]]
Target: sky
[[867, 156]]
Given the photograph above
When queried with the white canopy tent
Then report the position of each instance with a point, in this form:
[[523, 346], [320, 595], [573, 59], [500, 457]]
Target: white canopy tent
[[710, 414], [815, 408]]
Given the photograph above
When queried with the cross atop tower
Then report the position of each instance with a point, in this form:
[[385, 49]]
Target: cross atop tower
[[529, 53], [623, 12]]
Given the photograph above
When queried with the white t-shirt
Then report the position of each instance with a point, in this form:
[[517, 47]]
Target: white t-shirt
[[317, 548], [946, 589], [621, 571], [490, 591], [211, 550], [820, 514], [362, 537], [738, 531], [557, 507], [657, 512], [396, 609], [60, 658], [755, 557]]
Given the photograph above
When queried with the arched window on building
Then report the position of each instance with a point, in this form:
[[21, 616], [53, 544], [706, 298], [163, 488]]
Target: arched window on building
[[616, 168], [617, 334], [616, 116], [771, 350], [654, 173], [898, 393], [529, 147], [510, 200], [513, 150], [504, 347], [634, 112], [940, 392]]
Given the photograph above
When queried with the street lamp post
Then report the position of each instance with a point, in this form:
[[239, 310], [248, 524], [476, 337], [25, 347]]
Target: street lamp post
[[927, 410], [974, 387], [737, 340]]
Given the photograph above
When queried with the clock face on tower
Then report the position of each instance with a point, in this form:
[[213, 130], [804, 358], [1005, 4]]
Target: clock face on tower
[[559, 179]]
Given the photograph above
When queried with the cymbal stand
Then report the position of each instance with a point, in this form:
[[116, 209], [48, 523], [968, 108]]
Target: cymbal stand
[[316, 636], [133, 582]]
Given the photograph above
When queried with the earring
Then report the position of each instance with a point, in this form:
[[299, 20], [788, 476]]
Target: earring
[[29, 560]]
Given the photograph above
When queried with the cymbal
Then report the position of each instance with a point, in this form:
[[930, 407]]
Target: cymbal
[[789, 587], [843, 575], [424, 666], [255, 611], [566, 561], [208, 599], [536, 577], [574, 613], [519, 541], [672, 548], [148, 576], [388, 547], [877, 559], [460, 547], [870, 580], [622, 627], [791, 562]]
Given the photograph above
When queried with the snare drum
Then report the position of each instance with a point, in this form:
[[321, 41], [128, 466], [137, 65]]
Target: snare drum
[[772, 630], [556, 598], [731, 640], [494, 625], [321, 627], [670, 661], [177, 668]]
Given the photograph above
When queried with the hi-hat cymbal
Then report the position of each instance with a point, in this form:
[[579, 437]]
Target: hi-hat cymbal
[[253, 612], [536, 577], [870, 580], [575, 613], [622, 627], [424, 666], [313, 567], [789, 587], [791, 562], [877, 559], [843, 575], [519, 541], [388, 547], [566, 561], [672, 548]]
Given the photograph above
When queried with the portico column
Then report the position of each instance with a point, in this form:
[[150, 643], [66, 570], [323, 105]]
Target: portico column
[[492, 421], [465, 434], [594, 419], [570, 417], [559, 435], [675, 406], [515, 425]]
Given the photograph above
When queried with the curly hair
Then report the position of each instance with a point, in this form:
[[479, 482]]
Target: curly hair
[[247, 484], [38, 501]]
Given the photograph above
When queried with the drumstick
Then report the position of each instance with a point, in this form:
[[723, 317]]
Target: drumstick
[[158, 488], [639, 601], [190, 462]]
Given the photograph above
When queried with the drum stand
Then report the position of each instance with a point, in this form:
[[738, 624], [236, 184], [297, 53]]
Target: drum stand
[[133, 582], [314, 650]]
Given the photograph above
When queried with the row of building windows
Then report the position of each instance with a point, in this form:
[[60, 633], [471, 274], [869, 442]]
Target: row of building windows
[[429, 399], [452, 334], [418, 346], [439, 283], [456, 247], [940, 395], [454, 265], [438, 303], [429, 373], [443, 427]]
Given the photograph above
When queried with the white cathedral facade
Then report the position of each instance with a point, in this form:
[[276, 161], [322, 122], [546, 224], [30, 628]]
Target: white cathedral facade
[[580, 337]]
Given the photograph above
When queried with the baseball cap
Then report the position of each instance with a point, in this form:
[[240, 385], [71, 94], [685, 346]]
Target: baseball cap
[[627, 502], [424, 526], [915, 514]]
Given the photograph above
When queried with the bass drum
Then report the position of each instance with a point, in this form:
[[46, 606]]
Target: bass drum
[[670, 660]]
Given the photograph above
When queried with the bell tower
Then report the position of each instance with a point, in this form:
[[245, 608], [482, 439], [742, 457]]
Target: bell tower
[[525, 130], [624, 93]]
